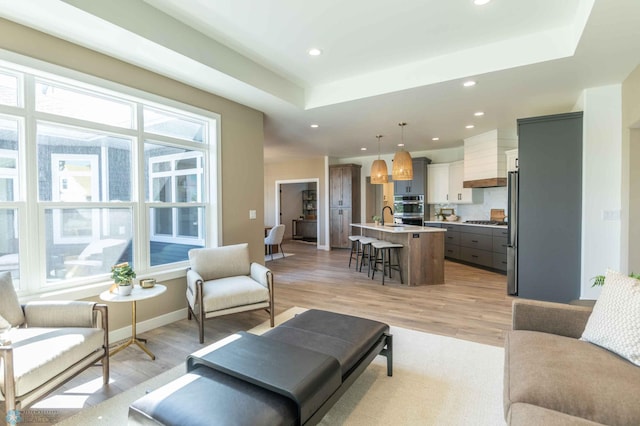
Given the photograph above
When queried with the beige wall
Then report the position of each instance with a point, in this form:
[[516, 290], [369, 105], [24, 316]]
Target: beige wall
[[631, 171], [313, 168], [241, 138]]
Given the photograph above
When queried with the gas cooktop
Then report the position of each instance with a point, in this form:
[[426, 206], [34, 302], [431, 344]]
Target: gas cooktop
[[485, 222]]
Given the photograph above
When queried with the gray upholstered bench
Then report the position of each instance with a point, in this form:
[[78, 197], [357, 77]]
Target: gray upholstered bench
[[292, 374]]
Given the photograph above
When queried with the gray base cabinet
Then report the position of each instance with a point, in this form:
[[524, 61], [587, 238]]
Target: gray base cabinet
[[477, 245]]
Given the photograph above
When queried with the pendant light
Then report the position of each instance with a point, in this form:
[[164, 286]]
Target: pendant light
[[379, 173], [402, 164]]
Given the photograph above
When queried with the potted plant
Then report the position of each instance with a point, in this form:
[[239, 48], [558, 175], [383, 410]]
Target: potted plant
[[123, 276], [598, 280], [376, 220]]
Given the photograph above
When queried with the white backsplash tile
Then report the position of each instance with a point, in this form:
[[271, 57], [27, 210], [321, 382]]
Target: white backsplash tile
[[493, 198]]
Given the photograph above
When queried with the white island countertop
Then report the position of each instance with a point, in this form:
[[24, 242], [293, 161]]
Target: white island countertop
[[395, 228]]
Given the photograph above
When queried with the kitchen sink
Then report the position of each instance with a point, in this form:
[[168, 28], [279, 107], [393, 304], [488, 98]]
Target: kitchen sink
[[395, 226]]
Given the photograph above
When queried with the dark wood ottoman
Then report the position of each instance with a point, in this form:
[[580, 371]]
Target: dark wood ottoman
[[291, 375]]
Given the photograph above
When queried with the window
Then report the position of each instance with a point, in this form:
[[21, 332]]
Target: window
[[110, 176]]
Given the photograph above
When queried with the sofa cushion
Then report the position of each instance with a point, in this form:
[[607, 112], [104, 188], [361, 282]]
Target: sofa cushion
[[220, 262], [225, 293], [42, 353], [571, 376], [10, 307], [614, 323], [530, 415]]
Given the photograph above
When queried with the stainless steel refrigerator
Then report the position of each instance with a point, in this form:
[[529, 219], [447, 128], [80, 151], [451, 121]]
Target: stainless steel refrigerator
[[512, 239]]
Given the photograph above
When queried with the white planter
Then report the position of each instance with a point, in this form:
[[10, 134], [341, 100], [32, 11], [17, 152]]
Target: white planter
[[124, 290]]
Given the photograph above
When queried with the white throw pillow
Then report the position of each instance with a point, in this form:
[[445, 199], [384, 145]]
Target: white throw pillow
[[10, 307], [614, 323], [4, 324]]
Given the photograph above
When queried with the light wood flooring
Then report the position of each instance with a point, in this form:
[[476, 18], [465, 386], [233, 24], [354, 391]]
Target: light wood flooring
[[471, 305]]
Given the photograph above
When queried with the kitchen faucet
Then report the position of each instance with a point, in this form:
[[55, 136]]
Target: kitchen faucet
[[382, 214]]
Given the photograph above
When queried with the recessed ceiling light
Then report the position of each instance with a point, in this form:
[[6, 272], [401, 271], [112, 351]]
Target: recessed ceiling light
[[469, 83], [400, 144], [315, 52], [480, 2], [315, 126], [469, 126], [478, 114], [363, 149], [435, 139]]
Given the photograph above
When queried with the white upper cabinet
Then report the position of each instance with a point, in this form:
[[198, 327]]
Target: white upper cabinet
[[512, 160], [445, 182], [458, 194], [438, 183]]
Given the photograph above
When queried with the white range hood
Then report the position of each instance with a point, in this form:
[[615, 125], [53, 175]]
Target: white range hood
[[485, 163]]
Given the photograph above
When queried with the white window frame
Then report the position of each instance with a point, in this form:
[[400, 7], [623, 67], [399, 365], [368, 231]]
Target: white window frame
[[172, 174], [31, 211]]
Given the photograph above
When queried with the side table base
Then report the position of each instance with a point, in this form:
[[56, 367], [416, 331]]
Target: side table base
[[139, 342]]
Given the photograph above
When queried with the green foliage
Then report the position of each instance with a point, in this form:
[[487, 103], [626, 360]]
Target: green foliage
[[598, 280], [376, 218], [122, 274]]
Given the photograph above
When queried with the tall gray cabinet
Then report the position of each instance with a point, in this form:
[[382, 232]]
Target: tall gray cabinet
[[549, 218], [344, 202]]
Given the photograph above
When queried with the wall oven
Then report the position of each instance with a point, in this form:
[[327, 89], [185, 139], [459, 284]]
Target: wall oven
[[408, 209]]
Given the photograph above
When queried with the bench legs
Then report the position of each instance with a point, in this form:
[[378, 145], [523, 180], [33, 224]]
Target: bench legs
[[387, 351]]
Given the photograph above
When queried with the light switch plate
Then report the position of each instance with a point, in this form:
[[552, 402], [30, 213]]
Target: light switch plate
[[252, 214]]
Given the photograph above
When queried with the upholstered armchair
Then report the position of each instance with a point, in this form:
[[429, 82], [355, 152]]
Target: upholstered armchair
[[222, 281], [44, 344]]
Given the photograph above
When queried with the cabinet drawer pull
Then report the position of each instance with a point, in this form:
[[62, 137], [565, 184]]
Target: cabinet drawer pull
[[474, 256], [474, 241]]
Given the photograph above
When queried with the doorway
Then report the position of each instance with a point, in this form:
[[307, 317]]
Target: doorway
[[297, 208]]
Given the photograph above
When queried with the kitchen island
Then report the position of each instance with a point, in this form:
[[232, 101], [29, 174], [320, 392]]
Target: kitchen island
[[421, 258]]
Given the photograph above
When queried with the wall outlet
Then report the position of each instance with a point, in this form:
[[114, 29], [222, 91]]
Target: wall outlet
[[611, 215], [252, 214]]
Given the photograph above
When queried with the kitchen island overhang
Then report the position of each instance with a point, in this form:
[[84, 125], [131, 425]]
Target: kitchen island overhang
[[422, 255]]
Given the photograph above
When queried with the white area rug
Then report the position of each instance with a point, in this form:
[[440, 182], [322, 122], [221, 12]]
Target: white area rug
[[436, 380]]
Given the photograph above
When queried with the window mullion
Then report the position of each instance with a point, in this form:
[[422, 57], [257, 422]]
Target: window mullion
[[141, 214], [33, 215]]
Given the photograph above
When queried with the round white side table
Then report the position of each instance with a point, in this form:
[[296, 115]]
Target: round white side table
[[138, 293]]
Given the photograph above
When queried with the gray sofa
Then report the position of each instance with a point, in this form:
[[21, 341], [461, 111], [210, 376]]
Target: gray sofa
[[554, 378]]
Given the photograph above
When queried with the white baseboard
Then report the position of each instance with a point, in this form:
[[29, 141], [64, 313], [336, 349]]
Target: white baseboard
[[141, 327]]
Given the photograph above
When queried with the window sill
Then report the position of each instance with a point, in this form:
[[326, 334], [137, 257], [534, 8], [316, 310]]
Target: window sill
[[93, 290]]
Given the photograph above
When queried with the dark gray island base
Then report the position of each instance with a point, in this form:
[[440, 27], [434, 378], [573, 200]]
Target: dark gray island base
[[290, 375]]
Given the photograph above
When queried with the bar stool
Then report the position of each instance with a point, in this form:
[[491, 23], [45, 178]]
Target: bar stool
[[384, 249], [355, 248], [365, 252]]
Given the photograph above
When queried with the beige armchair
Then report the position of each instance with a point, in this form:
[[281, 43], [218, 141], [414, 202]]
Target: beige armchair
[[48, 344], [223, 281]]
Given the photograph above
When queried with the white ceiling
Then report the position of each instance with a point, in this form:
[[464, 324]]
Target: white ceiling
[[382, 62]]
